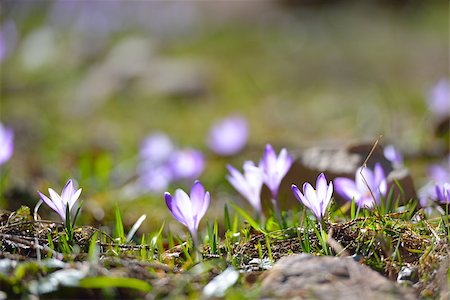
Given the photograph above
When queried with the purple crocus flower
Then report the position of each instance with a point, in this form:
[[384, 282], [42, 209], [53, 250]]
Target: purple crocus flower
[[439, 98], [443, 193], [186, 164], [393, 155], [248, 185], [228, 136], [358, 190], [156, 148], [316, 200], [59, 203], [189, 209], [274, 168], [153, 178], [6, 143]]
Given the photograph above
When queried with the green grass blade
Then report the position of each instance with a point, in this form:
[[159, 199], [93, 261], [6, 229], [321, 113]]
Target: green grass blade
[[119, 231], [156, 237], [247, 217], [226, 216]]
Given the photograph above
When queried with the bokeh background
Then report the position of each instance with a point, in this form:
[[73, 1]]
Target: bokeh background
[[83, 83]]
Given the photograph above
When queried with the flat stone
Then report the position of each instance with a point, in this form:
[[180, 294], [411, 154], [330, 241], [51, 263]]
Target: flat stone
[[305, 276]]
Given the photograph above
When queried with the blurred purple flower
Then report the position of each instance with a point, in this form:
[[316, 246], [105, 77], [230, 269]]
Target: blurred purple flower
[[393, 155], [439, 175], [439, 98], [6, 143], [274, 168], [316, 200], [358, 190], [228, 136], [157, 148], [443, 193], [155, 178], [248, 185], [59, 203], [186, 164], [189, 210]]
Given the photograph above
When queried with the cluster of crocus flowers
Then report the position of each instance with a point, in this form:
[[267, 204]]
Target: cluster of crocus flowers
[[228, 136], [59, 203], [161, 163], [366, 190], [317, 200], [189, 209], [270, 171], [6, 143]]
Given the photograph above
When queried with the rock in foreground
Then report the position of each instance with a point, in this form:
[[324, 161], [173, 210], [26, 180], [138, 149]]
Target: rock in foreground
[[324, 277]]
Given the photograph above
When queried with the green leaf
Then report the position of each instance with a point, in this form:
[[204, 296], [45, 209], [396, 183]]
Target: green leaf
[[353, 209], [247, 217], [94, 250], [269, 249], [156, 237], [120, 233], [76, 214], [115, 282], [68, 225], [226, 215]]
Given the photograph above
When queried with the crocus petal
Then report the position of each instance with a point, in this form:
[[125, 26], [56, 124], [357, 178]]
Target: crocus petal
[[365, 178], [6, 143], [48, 202], [311, 197], [321, 187], [203, 210], [379, 174], [270, 157], [184, 205], [67, 191], [238, 181], [58, 201], [197, 196], [174, 209], [74, 198], [284, 162], [248, 185], [298, 194], [439, 194], [347, 188], [327, 199]]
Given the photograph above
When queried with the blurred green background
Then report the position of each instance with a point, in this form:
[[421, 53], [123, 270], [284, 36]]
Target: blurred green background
[[83, 82]]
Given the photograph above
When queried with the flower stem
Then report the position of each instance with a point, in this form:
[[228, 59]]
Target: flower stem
[[197, 252], [277, 211]]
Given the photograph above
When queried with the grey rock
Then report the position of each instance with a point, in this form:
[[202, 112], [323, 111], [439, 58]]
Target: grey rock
[[305, 276]]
